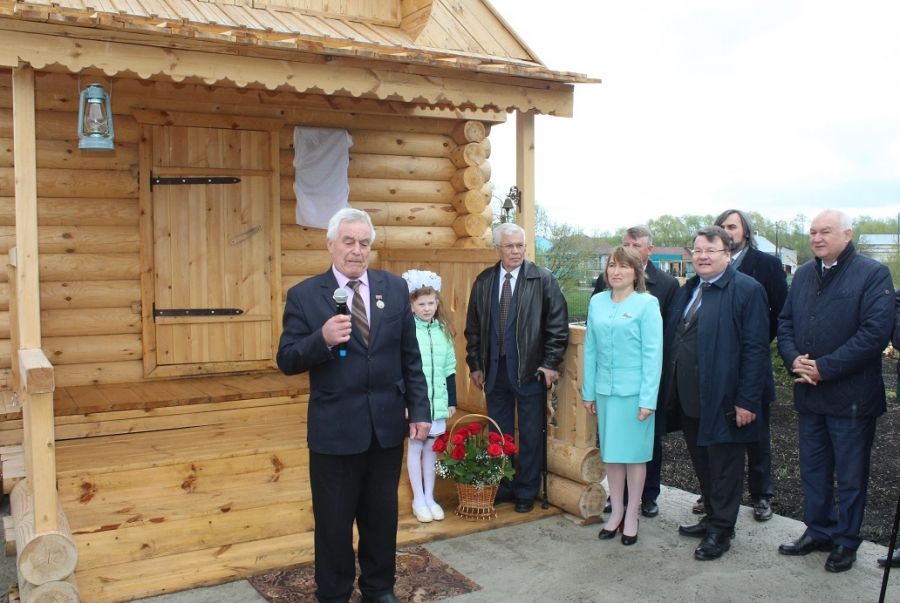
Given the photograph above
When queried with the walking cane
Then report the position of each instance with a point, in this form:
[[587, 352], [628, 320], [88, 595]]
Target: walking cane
[[892, 546], [545, 501]]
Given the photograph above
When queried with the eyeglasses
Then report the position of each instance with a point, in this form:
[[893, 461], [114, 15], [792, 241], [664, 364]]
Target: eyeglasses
[[512, 246], [698, 252]]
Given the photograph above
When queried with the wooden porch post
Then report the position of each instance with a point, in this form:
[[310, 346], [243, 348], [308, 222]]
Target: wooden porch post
[[525, 177], [35, 386]]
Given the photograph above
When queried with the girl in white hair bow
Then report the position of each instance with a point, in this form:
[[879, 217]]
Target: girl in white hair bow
[[435, 337]]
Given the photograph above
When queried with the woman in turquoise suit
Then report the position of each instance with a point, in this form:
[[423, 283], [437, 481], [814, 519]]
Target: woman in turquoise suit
[[622, 366]]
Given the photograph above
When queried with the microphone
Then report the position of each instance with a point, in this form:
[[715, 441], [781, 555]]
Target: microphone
[[340, 300]]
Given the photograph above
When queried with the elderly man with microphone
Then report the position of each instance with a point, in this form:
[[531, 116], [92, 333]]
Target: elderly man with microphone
[[365, 372]]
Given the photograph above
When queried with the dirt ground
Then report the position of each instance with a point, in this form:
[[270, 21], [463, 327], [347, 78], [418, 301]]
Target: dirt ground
[[884, 487]]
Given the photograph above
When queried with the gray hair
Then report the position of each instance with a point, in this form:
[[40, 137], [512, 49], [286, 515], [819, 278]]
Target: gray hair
[[844, 219], [639, 232], [354, 216], [746, 224], [507, 228], [715, 232]]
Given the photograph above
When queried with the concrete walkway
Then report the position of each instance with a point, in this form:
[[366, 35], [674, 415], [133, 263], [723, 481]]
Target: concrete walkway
[[553, 560]]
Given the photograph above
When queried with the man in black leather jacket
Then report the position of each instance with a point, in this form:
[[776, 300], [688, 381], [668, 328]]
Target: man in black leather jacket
[[506, 356]]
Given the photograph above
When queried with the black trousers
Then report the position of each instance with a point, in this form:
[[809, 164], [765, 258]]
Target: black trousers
[[720, 469], [759, 459], [504, 404], [362, 488]]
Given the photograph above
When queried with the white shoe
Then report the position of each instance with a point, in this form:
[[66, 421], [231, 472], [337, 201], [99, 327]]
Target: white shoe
[[423, 514], [437, 513]]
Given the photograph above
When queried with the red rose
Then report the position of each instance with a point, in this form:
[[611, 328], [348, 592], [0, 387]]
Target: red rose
[[494, 450], [509, 448], [508, 438], [459, 439], [458, 453], [475, 428], [439, 445], [444, 437], [495, 438]]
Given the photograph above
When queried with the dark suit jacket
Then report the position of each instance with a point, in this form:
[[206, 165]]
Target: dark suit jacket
[[368, 390], [733, 360], [844, 322], [768, 272]]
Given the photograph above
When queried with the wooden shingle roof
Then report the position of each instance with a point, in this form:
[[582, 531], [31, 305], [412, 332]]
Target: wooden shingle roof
[[396, 54]]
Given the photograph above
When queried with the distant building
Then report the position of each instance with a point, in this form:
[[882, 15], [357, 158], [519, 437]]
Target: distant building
[[787, 255], [881, 247]]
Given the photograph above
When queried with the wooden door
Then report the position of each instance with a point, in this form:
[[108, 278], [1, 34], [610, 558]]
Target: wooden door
[[212, 254]]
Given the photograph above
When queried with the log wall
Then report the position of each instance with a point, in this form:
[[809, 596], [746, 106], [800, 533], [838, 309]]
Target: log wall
[[424, 181]]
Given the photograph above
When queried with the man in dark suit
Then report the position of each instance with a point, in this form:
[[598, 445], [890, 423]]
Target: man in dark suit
[[663, 287], [356, 424], [768, 272], [715, 365], [517, 327], [836, 322]]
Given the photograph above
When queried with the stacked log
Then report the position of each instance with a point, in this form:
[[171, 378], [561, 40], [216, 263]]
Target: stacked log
[[573, 458], [45, 562], [473, 191]]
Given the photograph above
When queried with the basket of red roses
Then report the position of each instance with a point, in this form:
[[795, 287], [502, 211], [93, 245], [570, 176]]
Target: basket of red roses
[[476, 459]]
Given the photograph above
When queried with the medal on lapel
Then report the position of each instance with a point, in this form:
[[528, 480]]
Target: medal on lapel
[[379, 303]]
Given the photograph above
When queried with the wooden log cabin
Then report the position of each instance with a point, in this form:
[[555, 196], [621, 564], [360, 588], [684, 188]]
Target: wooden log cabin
[[162, 452]]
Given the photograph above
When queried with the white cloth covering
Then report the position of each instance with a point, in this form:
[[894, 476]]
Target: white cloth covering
[[321, 186]]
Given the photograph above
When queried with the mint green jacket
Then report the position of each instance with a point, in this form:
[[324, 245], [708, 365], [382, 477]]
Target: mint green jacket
[[623, 348], [438, 363]]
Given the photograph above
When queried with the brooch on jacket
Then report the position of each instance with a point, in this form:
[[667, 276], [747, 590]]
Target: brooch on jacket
[[626, 315], [379, 303]]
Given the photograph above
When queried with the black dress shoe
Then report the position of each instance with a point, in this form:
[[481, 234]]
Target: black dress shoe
[[804, 545], [649, 509], [895, 559], [608, 508], [841, 559], [524, 505], [713, 546], [385, 598], [762, 510], [696, 530]]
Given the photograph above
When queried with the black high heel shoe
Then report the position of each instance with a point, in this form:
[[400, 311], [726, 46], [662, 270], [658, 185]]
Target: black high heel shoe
[[629, 540], [610, 534]]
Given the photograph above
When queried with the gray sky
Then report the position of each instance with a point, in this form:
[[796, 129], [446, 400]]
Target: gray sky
[[783, 107]]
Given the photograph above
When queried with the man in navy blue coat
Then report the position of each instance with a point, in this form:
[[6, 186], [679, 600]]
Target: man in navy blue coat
[[356, 424], [715, 366], [834, 327], [768, 272]]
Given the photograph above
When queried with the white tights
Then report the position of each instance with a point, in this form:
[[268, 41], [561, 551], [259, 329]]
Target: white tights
[[420, 460]]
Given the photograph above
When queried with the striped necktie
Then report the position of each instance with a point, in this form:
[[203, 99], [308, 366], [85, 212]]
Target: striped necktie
[[358, 312], [692, 311], [505, 299]]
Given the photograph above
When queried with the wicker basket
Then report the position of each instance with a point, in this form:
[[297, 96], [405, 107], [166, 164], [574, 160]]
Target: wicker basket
[[476, 502]]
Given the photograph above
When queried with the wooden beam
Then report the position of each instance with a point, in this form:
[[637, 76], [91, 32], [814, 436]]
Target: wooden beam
[[37, 372], [525, 178], [25, 156]]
